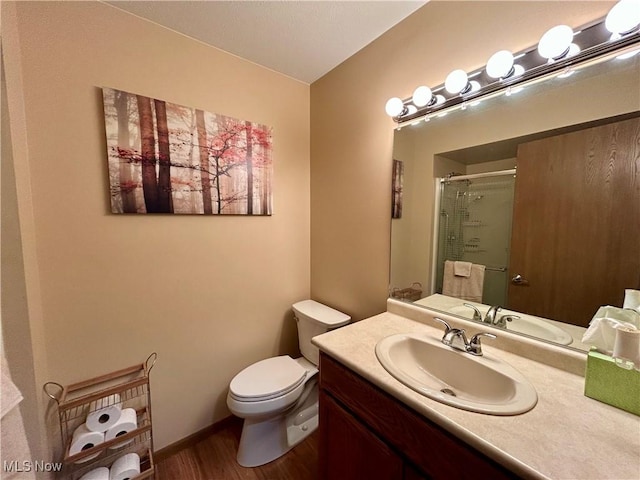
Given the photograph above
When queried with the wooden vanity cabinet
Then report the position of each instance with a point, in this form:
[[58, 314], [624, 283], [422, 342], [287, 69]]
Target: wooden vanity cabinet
[[365, 433]]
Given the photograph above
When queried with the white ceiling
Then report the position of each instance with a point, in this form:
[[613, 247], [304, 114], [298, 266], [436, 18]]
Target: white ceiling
[[301, 39]]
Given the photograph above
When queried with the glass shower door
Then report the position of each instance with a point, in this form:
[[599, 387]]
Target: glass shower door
[[475, 226]]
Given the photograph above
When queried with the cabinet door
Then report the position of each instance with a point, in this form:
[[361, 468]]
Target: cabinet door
[[348, 450], [411, 473], [434, 451]]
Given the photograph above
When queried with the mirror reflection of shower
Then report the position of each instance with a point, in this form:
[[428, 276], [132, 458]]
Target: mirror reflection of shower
[[474, 226]]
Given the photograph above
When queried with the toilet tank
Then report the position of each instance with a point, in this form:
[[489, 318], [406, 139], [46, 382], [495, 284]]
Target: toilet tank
[[313, 319]]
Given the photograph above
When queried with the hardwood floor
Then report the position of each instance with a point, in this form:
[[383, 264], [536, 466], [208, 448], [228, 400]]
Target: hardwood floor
[[214, 458]]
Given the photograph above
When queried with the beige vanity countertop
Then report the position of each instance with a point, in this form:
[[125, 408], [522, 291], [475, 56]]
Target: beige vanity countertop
[[565, 436]]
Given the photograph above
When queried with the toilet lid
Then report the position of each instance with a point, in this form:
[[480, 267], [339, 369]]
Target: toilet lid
[[268, 378]]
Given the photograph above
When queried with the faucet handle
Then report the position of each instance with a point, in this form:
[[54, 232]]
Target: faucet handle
[[447, 327], [474, 346], [502, 321], [477, 316], [454, 337]]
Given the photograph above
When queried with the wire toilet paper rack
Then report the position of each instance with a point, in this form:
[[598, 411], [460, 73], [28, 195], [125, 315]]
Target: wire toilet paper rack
[[127, 388]]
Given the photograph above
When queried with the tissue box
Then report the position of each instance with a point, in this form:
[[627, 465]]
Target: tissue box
[[611, 384]]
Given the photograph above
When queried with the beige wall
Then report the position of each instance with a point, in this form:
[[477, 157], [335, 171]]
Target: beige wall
[[352, 138], [210, 295]]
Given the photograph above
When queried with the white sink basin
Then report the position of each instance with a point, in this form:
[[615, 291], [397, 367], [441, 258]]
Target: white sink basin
[[527, 324], [479, 384]]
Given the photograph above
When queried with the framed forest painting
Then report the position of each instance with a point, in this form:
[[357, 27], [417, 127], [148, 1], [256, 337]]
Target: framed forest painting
[[397, 183], [167, 158]]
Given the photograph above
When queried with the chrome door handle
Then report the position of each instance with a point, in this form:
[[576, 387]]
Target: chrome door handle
[[518, 280]]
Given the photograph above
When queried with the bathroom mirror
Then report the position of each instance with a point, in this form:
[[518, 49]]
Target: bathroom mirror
[[485, 138]]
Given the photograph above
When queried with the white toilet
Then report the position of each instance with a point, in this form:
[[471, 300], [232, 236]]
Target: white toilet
[[278, 397]]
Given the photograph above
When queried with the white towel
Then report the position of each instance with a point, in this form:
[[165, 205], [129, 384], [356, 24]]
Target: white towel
[[11, 396], [462, 269], [13, 438], [467, 288]]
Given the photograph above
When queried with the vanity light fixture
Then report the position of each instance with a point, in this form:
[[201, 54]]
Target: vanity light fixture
[[623, 18], [501, 65], [560, 51], [556, 43], [457, 82], [423, 96], [394, 107]]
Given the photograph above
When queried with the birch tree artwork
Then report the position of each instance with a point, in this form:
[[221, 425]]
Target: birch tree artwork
[[397, 181], [167, 158]]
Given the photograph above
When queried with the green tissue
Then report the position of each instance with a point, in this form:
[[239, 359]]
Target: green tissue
[[611, 384]]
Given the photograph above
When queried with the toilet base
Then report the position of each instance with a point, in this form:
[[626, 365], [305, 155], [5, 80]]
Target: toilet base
[[263, 441]]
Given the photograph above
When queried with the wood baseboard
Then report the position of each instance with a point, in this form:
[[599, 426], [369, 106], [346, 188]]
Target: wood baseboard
[[194, 438]]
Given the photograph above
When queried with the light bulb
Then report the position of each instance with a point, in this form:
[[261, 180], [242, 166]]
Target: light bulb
[[394, 107], [422, 96], [500, 65], [573, 50], [623, 17], [411, 109], [456, 81], [473, 87], [555, 42]]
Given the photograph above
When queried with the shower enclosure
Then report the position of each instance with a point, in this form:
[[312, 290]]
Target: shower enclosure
[[474, 225]]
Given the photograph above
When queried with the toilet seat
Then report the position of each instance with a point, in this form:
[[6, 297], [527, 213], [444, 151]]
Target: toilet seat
[[267, 379]]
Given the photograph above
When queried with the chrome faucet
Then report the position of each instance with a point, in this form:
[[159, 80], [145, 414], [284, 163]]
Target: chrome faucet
[[490, 317], [457, 338], [454, 337]]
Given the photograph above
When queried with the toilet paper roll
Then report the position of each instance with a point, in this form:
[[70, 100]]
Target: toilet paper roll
[[627, 345], [126, 467], [83, 439], [100, 473], [632, 299], [104, 413], [127, 422]]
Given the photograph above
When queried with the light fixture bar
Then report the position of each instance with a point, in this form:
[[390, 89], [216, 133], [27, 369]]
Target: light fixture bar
[[594, 40], [523, 84]]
